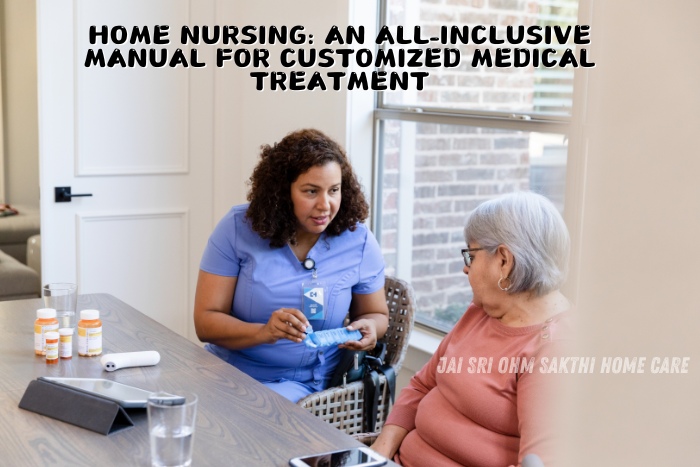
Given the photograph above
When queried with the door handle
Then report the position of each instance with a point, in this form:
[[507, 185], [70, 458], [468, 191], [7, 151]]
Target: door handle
[[62, 194]]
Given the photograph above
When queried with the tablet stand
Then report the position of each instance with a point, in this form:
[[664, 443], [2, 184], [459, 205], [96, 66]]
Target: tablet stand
[[77, 408]]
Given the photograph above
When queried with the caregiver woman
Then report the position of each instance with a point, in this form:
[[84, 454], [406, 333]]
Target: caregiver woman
[[302, 230]]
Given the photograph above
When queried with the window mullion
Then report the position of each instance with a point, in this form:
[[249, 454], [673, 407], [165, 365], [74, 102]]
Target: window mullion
[[545, 126]]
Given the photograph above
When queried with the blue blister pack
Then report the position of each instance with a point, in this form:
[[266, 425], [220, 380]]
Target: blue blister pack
[[330, 337]]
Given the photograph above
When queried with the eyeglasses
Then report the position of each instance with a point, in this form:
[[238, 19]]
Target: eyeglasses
[[467, 257]]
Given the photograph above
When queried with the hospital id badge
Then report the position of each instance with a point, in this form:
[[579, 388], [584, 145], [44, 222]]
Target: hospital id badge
[[313, 303]]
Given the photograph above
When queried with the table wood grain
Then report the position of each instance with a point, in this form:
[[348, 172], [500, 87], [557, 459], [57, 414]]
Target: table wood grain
[[240, 422]]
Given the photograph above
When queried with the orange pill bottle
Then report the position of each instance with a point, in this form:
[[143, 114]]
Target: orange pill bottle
[[89, 333], [51, 347], [45, 322], [65, 343]]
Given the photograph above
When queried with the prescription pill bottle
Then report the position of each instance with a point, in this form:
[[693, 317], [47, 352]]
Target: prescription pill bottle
[[65, 343], [45, 321], [89, 333], [51, 338]]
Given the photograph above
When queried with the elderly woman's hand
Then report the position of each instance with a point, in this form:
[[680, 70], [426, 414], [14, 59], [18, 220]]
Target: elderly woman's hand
[[389, 440], [368, 328]]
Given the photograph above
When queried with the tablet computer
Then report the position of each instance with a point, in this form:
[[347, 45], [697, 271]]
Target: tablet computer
[[352, 457], [123, 394]]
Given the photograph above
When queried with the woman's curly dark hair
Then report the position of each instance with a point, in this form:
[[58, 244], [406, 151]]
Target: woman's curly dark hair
[[271, 212]]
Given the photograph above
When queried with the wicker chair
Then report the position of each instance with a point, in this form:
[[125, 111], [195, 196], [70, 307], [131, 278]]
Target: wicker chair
[[342, 406]]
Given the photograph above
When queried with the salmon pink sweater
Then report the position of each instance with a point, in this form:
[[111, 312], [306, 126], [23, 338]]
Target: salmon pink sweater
[[484, 398]]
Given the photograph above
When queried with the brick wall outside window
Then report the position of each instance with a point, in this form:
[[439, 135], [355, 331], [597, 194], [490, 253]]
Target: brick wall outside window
[[456, 167]]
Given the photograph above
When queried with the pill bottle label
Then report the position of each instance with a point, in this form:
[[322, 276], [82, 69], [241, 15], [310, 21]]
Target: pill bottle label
[[89, 341], [65, 347], [52, 351], [39, 339]]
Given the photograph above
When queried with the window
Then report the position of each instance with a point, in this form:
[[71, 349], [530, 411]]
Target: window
[[471, 134]]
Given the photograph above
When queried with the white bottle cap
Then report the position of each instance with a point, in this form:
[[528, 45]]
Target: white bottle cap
[[89, 314], [51, 335], [66, 331], [45, 313]]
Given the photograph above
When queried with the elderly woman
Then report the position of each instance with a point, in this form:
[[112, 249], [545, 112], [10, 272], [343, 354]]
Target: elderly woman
[[297, 254], [464, 407]]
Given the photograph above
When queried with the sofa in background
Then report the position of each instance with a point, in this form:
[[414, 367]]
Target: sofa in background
[[17, 279]]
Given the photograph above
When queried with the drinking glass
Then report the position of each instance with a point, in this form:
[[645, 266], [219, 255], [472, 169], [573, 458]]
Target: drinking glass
[[171, 427], [62, 297]]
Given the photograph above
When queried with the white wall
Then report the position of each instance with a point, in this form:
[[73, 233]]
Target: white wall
[[19, 99], [247, 119], [639, 238], [2, 126]]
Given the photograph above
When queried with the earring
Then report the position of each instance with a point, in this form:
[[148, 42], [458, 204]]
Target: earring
[[505, 289]]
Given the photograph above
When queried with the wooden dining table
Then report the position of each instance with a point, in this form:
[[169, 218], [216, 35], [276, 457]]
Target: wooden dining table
[[240, 422]]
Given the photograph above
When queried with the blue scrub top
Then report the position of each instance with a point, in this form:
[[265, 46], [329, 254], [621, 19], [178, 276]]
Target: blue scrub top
[[271, 278]]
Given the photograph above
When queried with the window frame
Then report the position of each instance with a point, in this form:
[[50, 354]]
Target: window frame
[[565, 125]]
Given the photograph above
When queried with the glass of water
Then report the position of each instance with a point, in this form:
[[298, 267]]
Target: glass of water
[[62, 297], [171, 423]]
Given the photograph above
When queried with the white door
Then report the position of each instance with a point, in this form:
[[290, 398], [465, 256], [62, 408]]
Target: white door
[[140, 141]]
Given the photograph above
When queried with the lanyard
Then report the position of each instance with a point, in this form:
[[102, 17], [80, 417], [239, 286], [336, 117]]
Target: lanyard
[[313, 303], [310, 265]]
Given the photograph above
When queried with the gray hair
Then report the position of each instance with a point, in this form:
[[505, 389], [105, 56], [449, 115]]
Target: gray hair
[[531, 227]]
